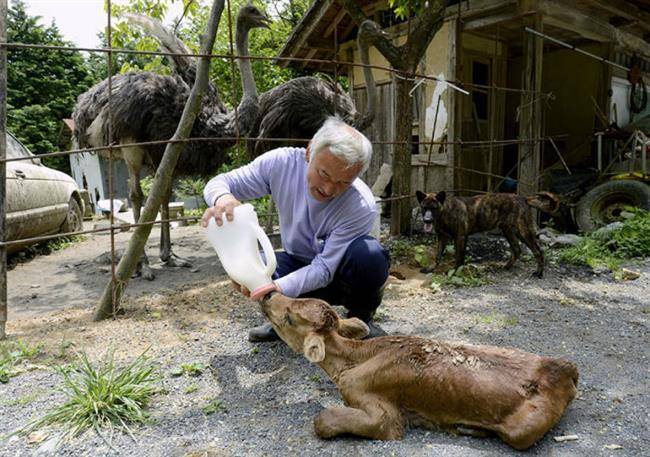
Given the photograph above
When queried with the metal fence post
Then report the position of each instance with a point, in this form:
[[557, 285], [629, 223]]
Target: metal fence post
[[3, 166]]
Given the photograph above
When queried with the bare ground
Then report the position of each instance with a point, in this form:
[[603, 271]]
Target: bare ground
[[270, 395]]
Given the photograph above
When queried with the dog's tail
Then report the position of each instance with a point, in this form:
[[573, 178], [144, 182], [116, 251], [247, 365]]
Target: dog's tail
[[546, 202]]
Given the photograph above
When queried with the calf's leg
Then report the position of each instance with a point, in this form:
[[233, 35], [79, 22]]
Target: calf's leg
[[380, 421]]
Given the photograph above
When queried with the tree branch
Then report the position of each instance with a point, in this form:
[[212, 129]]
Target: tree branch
[[423, 29], [109, 302], [391, 52]]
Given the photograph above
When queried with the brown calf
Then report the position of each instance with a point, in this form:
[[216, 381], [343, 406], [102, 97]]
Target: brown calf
[[392, 381]]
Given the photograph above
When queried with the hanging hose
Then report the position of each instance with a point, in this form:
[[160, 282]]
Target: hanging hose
[[638, 85]]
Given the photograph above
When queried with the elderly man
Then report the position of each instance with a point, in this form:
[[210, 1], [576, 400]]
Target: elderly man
[[326, 214]]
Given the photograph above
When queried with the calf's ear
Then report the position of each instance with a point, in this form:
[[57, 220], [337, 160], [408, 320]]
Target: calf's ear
[[353, 328], [314, 348], [420, 195]]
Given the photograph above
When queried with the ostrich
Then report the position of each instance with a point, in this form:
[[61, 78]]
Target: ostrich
[[146, 106], [296, 108]]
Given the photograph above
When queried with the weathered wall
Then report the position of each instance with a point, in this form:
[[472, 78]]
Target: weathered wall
[[435, 63], [573, 78]]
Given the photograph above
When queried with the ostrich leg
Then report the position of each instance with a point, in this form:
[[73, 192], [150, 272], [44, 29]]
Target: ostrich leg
[[134, 158], [166, 253]]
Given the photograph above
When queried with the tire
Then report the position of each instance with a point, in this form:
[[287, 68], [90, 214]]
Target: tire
[[603, 204], [74, 219]]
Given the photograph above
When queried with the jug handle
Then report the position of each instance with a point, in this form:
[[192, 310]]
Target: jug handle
[[269, 253]]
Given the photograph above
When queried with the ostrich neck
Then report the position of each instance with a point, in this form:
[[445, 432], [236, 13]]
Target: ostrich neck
[[366, 119], [371, 88], [247, 79]]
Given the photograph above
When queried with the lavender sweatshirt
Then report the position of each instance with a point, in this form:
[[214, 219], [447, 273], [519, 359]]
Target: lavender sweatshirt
[[317, 233]]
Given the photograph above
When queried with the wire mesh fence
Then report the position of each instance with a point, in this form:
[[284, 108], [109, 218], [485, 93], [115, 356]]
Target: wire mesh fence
[[470, 158]]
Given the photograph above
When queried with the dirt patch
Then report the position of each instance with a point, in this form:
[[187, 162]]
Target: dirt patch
[[270, 395]]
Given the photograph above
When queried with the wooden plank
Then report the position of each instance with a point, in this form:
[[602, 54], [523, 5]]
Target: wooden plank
[[476, 7], [530, 119], [625, 10], [454, 105], [298, 38], [330, 28], [310, 55], [495, 19], [563, 16]]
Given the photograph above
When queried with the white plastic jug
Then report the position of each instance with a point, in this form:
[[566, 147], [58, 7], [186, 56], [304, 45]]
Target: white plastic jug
[[236, 245]]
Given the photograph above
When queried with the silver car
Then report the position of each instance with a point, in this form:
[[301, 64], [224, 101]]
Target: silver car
[[40, 200]]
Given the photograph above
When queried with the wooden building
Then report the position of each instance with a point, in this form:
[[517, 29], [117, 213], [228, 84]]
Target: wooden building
[[522, 88]]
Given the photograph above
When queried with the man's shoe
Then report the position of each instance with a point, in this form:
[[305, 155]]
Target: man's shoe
[[264, 332], [374, 331]]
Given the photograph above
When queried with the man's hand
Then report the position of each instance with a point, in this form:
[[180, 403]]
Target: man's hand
[[246, 292], [224, 205]]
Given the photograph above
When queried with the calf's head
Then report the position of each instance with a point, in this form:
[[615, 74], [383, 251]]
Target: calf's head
[[431, 206], [305, 324]]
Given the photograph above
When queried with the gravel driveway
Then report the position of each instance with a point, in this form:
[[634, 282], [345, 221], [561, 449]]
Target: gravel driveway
[[268, 396]]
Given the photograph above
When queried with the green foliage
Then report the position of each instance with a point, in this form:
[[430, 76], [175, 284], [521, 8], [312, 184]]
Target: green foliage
[[214, 406], [191, 388], [102, 397], [406, 8], [463, 276], [13, 355], [190, 187], [42, 85], [498, 319], [64, 242], [145, 185], [608, 248], [188, 369], [422, 255]]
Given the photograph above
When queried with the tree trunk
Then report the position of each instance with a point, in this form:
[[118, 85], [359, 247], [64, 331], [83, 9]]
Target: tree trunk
[[110, 300], [401, 209]]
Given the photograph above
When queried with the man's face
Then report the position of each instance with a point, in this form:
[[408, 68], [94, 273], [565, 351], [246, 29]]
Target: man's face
[[328, 176]]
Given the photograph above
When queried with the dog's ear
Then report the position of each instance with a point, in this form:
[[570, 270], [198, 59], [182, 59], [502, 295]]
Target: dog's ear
[[441, 196], [420, 195], [353, 328], [314, 347]]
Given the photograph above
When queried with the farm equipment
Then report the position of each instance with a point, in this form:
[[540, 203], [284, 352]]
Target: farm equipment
[[600, 196]]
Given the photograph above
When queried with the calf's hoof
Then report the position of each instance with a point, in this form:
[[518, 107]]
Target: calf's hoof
[[427, 269], [323, 425]]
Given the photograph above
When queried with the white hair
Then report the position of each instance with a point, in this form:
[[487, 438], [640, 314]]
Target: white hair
[[343, 141]]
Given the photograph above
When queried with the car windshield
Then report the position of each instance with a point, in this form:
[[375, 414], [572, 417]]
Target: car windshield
[[16, 150]]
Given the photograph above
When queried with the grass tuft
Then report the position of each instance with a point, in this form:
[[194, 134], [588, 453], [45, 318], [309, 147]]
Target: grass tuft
[[102, 397], [464, 276], [14, 355]]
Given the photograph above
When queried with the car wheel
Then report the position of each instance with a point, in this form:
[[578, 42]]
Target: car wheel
[[604, 204], [74, 219]]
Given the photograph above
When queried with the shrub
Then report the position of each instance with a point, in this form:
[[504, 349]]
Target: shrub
[[630, 240]]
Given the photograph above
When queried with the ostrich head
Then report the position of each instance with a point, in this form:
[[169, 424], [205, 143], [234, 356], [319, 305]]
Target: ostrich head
[[368, 32], [249, 17]]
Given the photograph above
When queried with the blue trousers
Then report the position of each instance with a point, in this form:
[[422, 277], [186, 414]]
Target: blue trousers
[[358, 282]]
